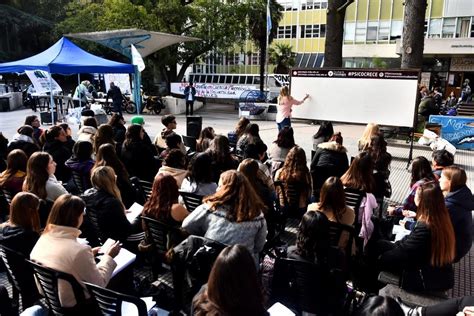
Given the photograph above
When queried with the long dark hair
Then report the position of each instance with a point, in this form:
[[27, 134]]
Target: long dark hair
[[163, 195], [16, 161], [133, 134], [233, 287], [312, 241], [107, 156], [332, 197], [432, 211], [286, 138], [37, 174], [238, 195], [325, 130], [200, 169], [421, 169], [360, 173], [378, 151]]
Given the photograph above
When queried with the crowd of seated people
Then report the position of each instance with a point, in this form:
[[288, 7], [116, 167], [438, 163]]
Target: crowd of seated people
[[241, 209]]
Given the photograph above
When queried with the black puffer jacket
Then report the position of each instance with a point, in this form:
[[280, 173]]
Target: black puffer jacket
[[410, 258], [60, 153], [138, 158], [18, 239], [460, 203], [111, 216], [331, 154]]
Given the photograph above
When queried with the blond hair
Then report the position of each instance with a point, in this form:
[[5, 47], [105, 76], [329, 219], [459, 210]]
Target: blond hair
[[370, 130], [103, 178]]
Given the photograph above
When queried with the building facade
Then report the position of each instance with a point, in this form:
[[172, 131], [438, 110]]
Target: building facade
[[372, 36]]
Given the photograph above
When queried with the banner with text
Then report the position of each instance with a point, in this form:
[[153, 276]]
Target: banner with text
[[40, 81], [213, 90]]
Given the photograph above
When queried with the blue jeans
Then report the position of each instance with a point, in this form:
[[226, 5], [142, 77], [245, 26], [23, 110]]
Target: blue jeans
[[286, 122]]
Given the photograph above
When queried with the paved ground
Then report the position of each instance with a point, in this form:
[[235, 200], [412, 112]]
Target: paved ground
[[223, 119]]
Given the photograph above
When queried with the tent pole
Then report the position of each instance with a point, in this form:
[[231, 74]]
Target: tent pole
[[51, 97], [78, 83]]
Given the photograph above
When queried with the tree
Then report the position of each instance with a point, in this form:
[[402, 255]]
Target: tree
[[257, 18], [413, 33], [283, 57], [336, 13], [217, 23]]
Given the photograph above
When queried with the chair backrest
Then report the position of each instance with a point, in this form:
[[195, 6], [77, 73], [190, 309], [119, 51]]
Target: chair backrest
[[354, 199], [191, 200], [78, 180], [147, 188], [20, 275], [290, 192], [189, 142], [48, 280], [110, 302], [341, 238], [93, 217], [159, 234], [303, 285], [8, 195]]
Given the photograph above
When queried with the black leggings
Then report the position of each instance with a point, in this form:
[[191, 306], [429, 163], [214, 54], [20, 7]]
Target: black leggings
[[448, 307]]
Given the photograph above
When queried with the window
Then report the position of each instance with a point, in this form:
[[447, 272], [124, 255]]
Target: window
[[255, 58], [228, 79], [215, 79], [360, 32], [288, 5], [316, 30], [396, 31], [349, 32], [449, 26], [462, 29], [472, 27], [288, 31], [384, 30], [221, 79], [314, 5], [242, 79], [425, 28], [435, 28], [235, 79], [372, 30]]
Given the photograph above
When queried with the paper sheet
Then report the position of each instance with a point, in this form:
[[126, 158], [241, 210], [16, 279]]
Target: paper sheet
[[123, 260], [133, 212], [279, 309], [130, 309]]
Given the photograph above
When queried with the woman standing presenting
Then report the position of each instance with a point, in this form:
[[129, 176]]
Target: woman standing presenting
[[285, 103]]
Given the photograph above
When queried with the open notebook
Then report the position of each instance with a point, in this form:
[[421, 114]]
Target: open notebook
[[133, 212], [123, 259]]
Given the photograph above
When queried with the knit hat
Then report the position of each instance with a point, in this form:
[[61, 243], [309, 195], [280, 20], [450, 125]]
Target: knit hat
[[137, 120]]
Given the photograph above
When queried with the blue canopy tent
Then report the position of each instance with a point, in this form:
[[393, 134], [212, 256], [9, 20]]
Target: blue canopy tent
[[66, 58]]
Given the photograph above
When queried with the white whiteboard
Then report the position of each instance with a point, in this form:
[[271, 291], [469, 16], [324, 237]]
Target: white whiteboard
[[385, 97]]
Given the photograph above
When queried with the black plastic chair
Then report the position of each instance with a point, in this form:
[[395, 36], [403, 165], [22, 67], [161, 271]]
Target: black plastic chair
[[163, 237], [20, 275], [110, 302], [307, 287], [7, 195], [292, 203], [48, 280], [142, 189], [191, 200], [341, 239], [354, 199], [281, 215], [94, 221]]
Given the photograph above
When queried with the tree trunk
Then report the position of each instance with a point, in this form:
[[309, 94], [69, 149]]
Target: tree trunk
[[413, 37], [336, 13]]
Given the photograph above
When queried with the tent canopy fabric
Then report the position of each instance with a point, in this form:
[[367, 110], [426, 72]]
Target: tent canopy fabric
[[65, 57], [146, 42]]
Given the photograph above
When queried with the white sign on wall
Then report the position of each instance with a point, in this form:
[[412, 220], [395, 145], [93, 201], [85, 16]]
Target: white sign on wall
[[213, 90], [41, 81], [120, 80]]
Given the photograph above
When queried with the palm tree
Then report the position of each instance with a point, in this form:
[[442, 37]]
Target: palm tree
[[283, 57], [257, 19]]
